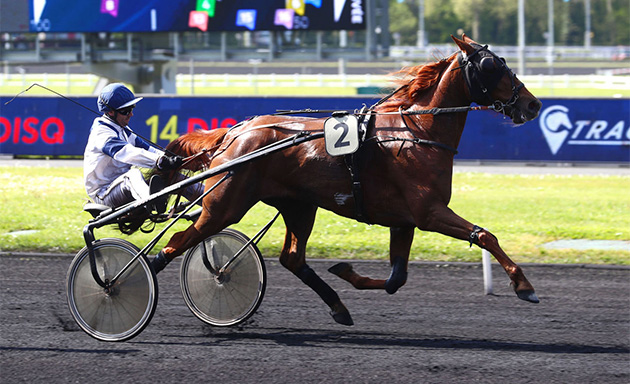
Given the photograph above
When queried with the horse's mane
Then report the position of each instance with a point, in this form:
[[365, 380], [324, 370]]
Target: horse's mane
[[411, 82]]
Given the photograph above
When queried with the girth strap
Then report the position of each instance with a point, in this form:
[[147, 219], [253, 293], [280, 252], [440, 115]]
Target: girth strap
[[357, 190], [353, 167]]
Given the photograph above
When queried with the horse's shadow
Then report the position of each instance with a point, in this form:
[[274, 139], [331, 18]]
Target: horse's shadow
[[326, 338]]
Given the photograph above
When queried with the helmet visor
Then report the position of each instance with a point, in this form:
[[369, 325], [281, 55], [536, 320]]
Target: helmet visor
[[130, 103]]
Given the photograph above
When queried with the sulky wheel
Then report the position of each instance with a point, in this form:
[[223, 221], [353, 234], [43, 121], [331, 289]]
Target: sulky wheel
[[119, 312], [229, 297]]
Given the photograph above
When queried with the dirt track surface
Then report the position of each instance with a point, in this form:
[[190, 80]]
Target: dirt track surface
[[439, 328]]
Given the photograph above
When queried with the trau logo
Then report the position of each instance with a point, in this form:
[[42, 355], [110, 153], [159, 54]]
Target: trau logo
[[559, 129]]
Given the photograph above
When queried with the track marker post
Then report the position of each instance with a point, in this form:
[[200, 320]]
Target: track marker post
[[487, 271]]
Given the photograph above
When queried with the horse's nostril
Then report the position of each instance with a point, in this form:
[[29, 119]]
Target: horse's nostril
[[535, 105]]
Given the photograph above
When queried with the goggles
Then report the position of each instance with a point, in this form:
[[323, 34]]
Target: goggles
[[126, 111]]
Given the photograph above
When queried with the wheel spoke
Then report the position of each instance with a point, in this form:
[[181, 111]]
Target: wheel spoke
[[231, 297], [127, 308]]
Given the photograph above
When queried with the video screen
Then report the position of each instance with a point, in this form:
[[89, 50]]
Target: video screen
[[195, 15]]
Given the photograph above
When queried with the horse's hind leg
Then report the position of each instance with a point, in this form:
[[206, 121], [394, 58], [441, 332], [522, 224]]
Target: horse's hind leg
[[399, 248], [181, 241], [445, 221], [299, 219], [226, 206]]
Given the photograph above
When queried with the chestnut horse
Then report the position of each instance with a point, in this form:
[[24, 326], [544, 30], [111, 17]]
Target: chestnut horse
[[403, 170]]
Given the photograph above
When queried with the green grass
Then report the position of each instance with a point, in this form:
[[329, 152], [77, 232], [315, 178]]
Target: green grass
[[308, 85], [524, 211], [579, 92], [351, 91], [328, 91]]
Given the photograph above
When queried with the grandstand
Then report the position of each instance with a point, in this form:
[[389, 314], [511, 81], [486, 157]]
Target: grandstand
[[161, 61]]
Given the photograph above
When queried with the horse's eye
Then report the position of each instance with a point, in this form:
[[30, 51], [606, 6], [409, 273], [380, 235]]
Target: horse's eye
[[487, 64]]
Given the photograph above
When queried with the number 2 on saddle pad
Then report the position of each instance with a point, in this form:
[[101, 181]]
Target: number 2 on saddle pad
[[341, 133]]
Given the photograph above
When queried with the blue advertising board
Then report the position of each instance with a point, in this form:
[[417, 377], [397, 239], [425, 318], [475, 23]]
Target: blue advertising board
[[567, 130], [194, 15]]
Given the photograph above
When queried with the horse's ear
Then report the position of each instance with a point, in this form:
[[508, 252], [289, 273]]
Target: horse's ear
[[464, 46], [468, 39]]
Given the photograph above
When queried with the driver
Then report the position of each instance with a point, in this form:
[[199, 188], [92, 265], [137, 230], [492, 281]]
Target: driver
[[114, 153]]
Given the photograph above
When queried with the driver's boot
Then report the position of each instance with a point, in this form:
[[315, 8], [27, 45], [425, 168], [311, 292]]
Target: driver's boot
[[156, 184]]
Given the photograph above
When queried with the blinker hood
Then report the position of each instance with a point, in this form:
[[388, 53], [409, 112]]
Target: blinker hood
[[481, 72]]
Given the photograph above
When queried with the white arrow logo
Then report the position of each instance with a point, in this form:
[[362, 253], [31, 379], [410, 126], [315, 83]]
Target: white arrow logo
[[339, 5], [552, 121], [38, 8]]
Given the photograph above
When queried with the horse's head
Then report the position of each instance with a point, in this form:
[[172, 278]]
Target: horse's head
[[491, 82]]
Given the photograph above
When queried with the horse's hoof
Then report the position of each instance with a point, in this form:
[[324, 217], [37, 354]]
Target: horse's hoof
[[394, 282], [343, 318], [340, 268], [528, 296], [390, 288]]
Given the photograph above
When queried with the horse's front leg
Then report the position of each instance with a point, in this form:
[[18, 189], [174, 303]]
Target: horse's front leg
[[443, 220], [399, 248], [486, 240]]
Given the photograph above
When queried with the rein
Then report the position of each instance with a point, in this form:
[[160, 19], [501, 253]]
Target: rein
[[431, 111], [370, 111], [367, 112], [474, 82], [154, 145]]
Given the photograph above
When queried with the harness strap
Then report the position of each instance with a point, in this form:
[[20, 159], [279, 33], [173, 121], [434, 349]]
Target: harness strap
[[417, 140], [357, 189], [353, 167]]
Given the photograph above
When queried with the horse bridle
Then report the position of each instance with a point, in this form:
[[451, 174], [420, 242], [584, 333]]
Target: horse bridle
[[482, 76]]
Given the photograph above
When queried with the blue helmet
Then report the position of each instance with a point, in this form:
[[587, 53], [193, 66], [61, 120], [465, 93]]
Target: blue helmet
[[116, 96]]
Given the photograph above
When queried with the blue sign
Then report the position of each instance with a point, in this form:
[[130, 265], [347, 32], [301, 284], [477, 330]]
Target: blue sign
[[193, 15], [567, 130]]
